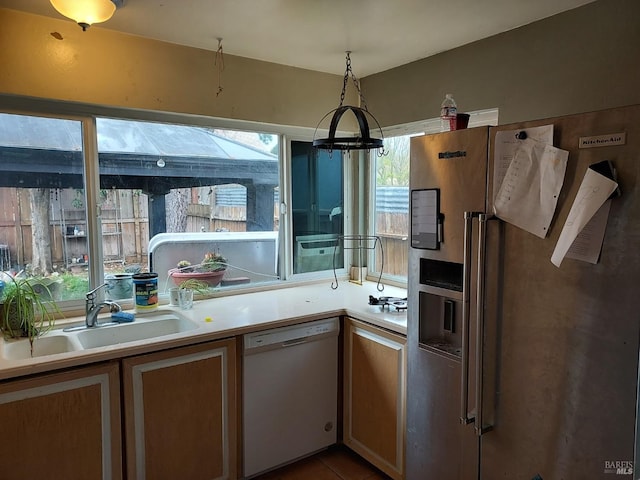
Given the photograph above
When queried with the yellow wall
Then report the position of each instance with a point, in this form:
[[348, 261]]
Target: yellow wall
[[581, 60], [109, 68]]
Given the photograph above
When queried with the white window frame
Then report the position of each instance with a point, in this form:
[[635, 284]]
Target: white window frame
[[87, 114], [286, 249]]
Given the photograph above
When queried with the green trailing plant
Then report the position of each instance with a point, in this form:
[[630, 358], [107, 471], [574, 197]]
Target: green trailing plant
[[196, 285], [24, 312]]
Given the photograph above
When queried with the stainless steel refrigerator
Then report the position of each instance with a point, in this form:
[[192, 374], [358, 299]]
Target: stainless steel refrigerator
[[518, 368]]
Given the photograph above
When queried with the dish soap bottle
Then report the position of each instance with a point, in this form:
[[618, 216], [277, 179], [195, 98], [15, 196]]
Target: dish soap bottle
[[448, 112]]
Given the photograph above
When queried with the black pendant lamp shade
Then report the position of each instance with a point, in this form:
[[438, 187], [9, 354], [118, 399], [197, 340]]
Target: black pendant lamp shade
[[362, 141]]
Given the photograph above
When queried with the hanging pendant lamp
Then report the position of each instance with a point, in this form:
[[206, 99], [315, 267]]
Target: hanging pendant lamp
[[87, 12], [363, 140]]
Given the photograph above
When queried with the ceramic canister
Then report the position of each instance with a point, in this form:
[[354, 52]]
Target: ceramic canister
[[119, 286], [145, 287]]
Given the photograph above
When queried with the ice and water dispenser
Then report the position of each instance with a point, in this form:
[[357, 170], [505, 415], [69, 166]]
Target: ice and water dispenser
[[440, 306]]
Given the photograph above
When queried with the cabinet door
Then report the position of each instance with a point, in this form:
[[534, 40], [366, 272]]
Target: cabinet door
[[62, 426], [180, 413], [374, 395]]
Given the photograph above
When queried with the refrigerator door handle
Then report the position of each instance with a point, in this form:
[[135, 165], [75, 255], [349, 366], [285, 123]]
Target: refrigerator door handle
[[479, 425], [465, 418]]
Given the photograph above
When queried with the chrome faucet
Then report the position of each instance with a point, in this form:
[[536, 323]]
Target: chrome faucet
[[92, 308]]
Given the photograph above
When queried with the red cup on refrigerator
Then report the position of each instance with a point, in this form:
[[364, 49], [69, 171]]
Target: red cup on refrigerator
[[462, 121]]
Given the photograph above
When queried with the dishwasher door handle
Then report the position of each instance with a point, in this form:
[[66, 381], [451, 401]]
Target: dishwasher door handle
[[295, 341]]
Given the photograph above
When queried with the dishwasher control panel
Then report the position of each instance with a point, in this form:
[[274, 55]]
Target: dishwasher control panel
[[292, 334]]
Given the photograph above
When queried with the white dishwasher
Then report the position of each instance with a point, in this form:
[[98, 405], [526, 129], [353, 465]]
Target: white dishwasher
[[290, 393]]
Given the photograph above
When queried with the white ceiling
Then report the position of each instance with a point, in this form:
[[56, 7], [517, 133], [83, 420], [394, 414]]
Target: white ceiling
[[314, 34]]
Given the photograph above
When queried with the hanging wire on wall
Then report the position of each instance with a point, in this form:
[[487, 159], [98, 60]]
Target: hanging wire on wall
[[362, 141], [219, 63], [361, 243]]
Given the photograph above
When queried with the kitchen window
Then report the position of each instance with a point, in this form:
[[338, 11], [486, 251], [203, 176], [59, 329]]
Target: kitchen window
[[391, 207], [187, 191], [143, 179], [43, 224], [317, 208]]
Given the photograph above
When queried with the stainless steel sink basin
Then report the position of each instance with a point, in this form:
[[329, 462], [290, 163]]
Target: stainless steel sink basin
[[156, 325], [144, 327], [46, 345]]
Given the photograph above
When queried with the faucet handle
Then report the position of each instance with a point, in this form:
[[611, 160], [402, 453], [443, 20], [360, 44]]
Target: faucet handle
[[91, 295], [113, 307]]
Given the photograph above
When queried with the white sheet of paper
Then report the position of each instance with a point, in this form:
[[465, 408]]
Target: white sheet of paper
[[594, 191], [529, 192], [588, 243], [506, 144]]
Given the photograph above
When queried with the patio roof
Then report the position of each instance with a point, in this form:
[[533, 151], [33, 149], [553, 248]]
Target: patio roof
[[38, 152], [46, 152]]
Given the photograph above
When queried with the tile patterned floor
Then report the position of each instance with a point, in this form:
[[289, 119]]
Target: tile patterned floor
[[336, 463]]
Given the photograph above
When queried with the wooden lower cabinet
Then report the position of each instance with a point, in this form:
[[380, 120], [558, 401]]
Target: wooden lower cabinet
[[62, 426], [374, 395], [180, 413]]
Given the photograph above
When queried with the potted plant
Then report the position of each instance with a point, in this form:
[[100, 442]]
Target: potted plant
[[210, 270], [24, 311]]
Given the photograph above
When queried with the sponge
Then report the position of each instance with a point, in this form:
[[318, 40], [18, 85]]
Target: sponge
[[122, 317]]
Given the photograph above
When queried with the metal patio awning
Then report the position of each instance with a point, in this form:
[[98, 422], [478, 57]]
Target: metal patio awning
[[47, 153], [39, 152]]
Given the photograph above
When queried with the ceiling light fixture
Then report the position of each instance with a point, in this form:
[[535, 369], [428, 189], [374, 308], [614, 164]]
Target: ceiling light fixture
[[87, 12], [362, 141]]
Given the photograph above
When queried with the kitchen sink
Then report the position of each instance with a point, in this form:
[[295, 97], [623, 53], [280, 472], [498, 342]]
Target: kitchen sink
[[148, 326], [145, 326], [45, 345]]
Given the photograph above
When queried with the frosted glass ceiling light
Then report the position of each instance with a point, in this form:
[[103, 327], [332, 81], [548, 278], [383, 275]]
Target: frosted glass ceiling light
[[87, 12]]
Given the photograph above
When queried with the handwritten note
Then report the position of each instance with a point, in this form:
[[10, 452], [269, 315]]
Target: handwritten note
[[506, 145], [588, 244], [528, 195], [594, 191]]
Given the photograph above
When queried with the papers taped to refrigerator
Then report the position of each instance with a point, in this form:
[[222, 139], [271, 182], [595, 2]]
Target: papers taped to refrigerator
[[588, 244], [528, 194], [594, 191], [507, 143]]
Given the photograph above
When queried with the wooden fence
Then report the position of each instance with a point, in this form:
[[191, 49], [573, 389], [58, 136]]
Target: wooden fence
[[394, 245], [125, 228]]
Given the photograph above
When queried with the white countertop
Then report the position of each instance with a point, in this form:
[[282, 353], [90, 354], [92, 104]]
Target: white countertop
[[233, 315], [256, 311]]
